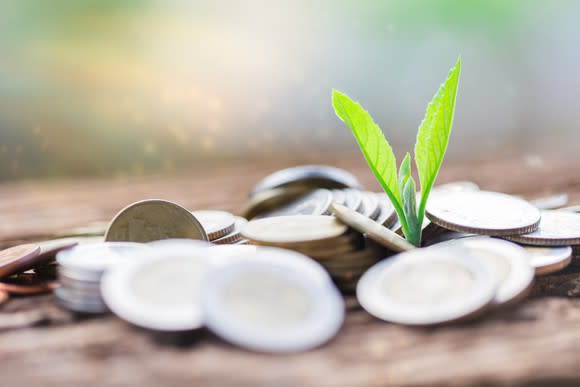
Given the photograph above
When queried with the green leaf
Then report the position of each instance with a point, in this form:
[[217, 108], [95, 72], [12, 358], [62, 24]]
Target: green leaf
[[433, 134], [374, 146], [413, 234], [408, 194], [404, 172]]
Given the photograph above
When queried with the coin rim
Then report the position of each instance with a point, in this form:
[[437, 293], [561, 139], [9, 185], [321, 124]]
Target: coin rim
[[480, 230]]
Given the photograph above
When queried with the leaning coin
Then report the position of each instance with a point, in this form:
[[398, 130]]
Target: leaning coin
[[18, 258], [151, 220], [509, 263], [271, 307], [557, 228], [426, 287], [215, 223], [161, 292], [311, 176], [313, 203], [548, 260], [294, 229], [482, 212], [373, 230]]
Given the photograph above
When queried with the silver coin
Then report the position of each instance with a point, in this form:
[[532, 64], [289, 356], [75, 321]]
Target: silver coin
[[353, 199], [99, 257], [215, 223], [338, 196], [65, 300], [509, 263], [482, 212], [551, 202], [162, 292], [314, 176], [313, 203], [235, 235], [370, 205], [294, 229], [547, 260], [387, 214], [557, 228], [271, 307], [425, 287], [290, 258]]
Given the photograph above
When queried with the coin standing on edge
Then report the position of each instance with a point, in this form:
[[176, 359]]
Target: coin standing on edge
[[557, 228], [271, 307], [548, 260], [151, 220], [372, 229], [482, 212], [426, 287]]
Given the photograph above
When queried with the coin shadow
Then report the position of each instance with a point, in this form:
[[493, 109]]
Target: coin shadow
[[182, 340]]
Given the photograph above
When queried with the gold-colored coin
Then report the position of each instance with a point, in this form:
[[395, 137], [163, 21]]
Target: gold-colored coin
[[293, 229], [373, 230], [152, 220]]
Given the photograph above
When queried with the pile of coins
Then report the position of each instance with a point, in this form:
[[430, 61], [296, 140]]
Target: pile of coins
[[80, 270], [312, 231]]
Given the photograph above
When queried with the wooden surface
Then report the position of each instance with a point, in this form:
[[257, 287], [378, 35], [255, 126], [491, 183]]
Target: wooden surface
[[536, 342]]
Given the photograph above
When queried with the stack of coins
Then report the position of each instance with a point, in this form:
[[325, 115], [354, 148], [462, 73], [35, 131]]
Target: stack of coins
[[222, 228], [81, 268], [549, 236], [345, 253]]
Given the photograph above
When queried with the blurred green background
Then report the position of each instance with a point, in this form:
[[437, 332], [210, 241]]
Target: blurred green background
[[115, 87]]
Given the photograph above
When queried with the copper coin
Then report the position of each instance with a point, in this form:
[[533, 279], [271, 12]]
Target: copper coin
[[18, 258], [27, 284]]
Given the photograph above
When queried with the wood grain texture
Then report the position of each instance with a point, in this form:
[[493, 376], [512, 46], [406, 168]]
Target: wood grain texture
[[536, 342]]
